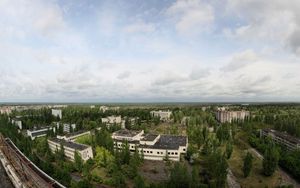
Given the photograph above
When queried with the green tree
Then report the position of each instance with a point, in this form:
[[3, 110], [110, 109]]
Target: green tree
[[139, 182], [271, 158], [78, 161], [229, 149], [103, 157], [179, 176], [217, 166], [247, 164]]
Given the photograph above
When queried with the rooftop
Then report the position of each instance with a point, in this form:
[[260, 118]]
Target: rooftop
[[149, 137], [168, 142], [126, 133], [283, 135], [73, 145]]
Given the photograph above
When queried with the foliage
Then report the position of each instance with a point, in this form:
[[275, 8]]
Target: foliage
[[217, 166], [103, 157], [270, 161], [247, 164]]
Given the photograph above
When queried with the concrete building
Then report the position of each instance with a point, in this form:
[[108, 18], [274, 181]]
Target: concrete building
[[164, 115], [112, 120], [6, 109], [34, 133], [84, 151], [228, 116], [57, 113], [153, 146], [67, 127], [17, 122], [73, 136], [281, 138], [112, 108]]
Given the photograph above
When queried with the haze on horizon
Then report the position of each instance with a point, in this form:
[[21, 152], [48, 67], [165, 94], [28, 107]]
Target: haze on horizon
[[149, 51]]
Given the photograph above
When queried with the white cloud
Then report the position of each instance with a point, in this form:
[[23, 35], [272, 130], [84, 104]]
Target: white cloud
[[139, 27], [191, 16]]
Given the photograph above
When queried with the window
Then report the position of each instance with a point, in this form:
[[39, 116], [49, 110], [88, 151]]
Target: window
[[150, 151], [168, 153], [131, 146], [144, 151], [176, 153], [147, 151], [183, 149], [172, 153], [161, 153], [157, 152]]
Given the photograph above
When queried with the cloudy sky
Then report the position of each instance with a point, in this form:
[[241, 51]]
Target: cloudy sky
[[146, 51]]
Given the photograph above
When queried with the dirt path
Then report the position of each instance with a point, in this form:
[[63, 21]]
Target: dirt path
[[286, 178], [231, 180]]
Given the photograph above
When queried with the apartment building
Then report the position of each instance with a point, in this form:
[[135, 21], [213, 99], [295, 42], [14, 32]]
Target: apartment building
[[57, 113], [67, 127], [153, 146], [84, 151], [228, 116], [17, 122], [281, 138], [112, 120], [34, 133], [164, 115], [112, 108]]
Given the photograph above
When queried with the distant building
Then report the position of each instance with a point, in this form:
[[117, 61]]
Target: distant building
[[6, 109], [281, 138], [223, 115], [112, 120], [34, 133], [57, 113], [73, 136], [112, 108], [84, 151], [92, 106], [153, 146], [17, 122], [164, 115]]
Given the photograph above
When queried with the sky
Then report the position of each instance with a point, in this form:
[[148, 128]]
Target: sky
[[149, 51]]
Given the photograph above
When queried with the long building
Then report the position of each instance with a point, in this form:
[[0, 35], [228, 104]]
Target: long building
[[34, 133], [290, 142], [153, 146], [73, 136], [163, 115], [57, 113], [228, 116], [84, 151]]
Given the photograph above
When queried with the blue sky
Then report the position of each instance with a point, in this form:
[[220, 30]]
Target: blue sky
[[147, 51]]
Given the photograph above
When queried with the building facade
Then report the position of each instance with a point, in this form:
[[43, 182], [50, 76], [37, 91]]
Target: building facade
[[228, 116], [112, 120], [73, 136], [290, 142], [163, 115], [153, 146], [35, 133], [84, 151], [57, 113]]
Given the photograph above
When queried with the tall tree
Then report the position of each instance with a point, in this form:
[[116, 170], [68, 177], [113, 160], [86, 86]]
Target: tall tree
[[271, 158], [247, 164]]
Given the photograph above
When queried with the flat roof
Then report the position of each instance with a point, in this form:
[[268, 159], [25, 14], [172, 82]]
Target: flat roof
[[149, 137], [39, 129], [126, 133], [168, 142], [76, 133], [283, 135], [73, 145]]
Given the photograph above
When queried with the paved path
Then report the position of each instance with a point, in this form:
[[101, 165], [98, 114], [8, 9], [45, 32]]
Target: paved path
[[286, 178], [231, 180]]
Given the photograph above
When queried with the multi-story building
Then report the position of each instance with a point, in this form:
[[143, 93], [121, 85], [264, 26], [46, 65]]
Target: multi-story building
[[290, 142], [67, 127], [112, 120], [112, 108], [84, 151], [6, 109], [17, 122], [34, 133], [153, 146], [164, 115], [73, 136], [228, 116], [57, 113]]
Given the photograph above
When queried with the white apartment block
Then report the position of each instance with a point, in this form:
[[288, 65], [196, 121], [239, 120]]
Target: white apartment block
[[84, 151], [153, 146], [34, 133], [290, 142], [67, 127], [6, 109], [164, 115], [57, 113], [73, 136], [223, 115], [105, 108], [112, 120], [17, 122]]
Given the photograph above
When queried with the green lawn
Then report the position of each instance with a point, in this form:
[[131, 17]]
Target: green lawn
[[85, 139]]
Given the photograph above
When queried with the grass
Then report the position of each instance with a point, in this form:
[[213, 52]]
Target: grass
[[256, 177]]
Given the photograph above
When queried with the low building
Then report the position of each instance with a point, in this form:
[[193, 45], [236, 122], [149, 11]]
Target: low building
[[290, 142], [6, 109], [163, 115], [57, 113], [153, 146], [84, 151], [34, 133], [73, 136], [228, 116], [112, 120]]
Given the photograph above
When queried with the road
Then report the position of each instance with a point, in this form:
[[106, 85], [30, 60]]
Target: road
[[286, 178]]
